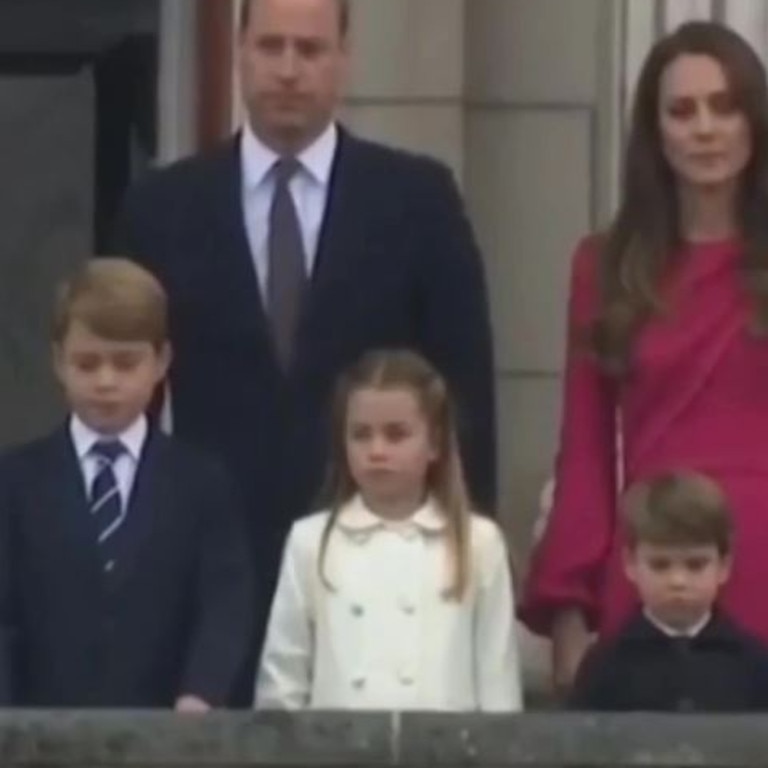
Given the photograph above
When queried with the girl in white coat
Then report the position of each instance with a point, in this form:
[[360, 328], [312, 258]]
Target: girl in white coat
[[396, 597]]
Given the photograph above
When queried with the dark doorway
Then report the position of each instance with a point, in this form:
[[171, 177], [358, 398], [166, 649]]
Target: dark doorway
[[77, 123]]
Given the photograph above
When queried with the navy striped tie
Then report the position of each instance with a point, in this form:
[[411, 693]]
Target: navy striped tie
[[106, 505]]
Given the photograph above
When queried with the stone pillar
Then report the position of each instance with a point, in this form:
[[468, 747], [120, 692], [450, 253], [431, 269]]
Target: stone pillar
[[539, 174], [407, 75], [46, 220]]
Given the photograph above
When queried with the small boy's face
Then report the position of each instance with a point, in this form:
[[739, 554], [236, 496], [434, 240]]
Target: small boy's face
[[108, 384], [678, 585]]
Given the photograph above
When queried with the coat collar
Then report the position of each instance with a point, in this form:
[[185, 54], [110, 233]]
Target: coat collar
[[359, 521], [718, 631]]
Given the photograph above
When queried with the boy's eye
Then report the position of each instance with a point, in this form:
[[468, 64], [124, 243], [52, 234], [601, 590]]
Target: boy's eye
[[125, 362], [359, 432], [87, 362]]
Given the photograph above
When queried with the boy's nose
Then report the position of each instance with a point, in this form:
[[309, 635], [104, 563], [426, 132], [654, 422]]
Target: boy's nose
[[106, 378]]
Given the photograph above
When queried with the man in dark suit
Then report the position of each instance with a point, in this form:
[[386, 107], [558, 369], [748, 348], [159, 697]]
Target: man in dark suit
[[125, 580], [289, 251]]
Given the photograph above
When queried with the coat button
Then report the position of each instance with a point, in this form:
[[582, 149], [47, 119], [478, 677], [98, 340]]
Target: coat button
[[686, 704], [357, 610], [406, 679], [358, 683], [109, 566]]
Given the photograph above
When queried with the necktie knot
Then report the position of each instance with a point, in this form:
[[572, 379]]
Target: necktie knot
[[108, 450], [286, 168]]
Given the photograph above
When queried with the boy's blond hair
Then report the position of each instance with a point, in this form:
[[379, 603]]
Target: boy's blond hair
[[115, 299], [678, 509]]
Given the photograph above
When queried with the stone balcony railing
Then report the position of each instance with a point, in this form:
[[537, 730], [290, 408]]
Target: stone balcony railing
[[309, 740]]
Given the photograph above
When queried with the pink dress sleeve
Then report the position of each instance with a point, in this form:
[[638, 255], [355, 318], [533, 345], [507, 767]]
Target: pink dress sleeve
[[567, 565]]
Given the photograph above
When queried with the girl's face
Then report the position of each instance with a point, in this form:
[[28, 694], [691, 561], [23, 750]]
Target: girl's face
[[390, 448]]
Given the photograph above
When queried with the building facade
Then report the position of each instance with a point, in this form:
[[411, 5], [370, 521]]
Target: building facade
[[524, 99]]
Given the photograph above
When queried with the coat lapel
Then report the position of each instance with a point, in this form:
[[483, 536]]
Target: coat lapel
[[341, 241], [229, 254], [145, 499], [340, 244], [65, 502]]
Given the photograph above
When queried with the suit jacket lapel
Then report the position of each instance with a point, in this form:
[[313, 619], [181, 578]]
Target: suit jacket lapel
[[229, 251], [65, 501], [341, 239], [146, 496]]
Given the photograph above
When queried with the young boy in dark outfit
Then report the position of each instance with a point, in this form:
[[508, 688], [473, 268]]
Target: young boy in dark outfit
[[124, 577], [679, 652]]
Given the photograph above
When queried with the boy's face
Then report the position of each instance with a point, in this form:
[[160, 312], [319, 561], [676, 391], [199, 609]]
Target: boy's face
[[108, 384], [678, 585]]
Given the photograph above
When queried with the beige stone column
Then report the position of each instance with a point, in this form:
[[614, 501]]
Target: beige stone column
[[539, 170], [407, 75]]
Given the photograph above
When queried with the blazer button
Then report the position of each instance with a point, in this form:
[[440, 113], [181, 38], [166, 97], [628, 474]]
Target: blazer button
[[357, 610], [109, 566], [358, 683], [406, 679]]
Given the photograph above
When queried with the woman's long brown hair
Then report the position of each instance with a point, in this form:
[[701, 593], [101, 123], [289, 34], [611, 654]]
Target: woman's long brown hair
[[640, 244], [403, 369]]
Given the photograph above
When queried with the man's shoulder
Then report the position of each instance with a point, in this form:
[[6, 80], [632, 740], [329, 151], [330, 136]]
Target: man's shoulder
[[189, 172], [394, 160]]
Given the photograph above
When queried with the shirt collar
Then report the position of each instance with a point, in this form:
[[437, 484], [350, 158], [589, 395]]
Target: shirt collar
[[693, 631], [84, 438], [356, 517], [258, 159]]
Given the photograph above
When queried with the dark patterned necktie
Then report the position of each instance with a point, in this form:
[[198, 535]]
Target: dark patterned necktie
[[286, 275]]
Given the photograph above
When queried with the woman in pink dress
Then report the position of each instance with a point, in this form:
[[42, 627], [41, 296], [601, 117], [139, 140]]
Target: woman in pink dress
[[667, 339]]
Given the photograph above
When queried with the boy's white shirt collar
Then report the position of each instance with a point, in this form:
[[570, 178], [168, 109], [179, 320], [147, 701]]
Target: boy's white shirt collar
[[692, 631], [84, 438], [356, 517]]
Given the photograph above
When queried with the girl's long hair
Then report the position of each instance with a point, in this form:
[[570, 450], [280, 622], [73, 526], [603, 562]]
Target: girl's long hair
[[403, 369]]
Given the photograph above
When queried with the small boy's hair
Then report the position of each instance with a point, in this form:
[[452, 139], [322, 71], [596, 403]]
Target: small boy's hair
[[678, 509], [115, 299]]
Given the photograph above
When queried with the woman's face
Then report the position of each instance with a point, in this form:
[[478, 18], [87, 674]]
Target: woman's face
[[706, 137]]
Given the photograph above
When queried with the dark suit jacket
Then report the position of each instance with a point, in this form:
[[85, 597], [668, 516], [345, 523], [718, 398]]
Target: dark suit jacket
[[722, 669], [175, 616], [396, 266]]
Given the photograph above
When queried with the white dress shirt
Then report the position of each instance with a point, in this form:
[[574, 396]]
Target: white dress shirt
[[133, 438], [309, 189], [691, 631], [385, 637]]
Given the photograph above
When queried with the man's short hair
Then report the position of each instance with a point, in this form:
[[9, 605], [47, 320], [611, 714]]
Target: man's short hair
[[343, 6]]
